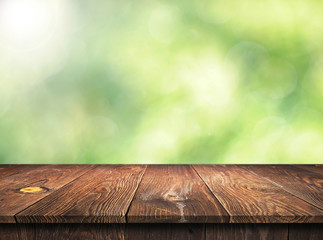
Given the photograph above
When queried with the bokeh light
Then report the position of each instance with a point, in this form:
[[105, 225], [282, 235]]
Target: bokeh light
[[26, 21], [194, 81]]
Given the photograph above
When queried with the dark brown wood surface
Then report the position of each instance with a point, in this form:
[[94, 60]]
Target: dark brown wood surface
[[247, 231], [290, 179], [103, 195], [312, 168], [43, 231], [48, 178], [155, 231], [305, 231], [161, 193], [174, 194], [169, 231], [9, 231], [8, 170], [250, 198]]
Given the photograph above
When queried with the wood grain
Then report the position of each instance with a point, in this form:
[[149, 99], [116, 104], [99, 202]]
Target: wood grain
[[290, 179], [318, 169], [7, 170], [247, 231], [249, 198], [146, 231], [103, 195], [306, 231], [40, 231], [13, 169], [174, 193], [9, 231], [155, 231], [49, 178], [167, 193], [94, 231]]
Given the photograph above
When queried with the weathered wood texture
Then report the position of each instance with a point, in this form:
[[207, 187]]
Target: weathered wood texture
[[64, 231], [9, 170], [290, 178], [162, 193], [9, 231], [313, 168], [146, 231], [247, 231], [48, 178], [305, 231], [249, 198], [175, 231], [174, 194], [103, 195], [92, 231]]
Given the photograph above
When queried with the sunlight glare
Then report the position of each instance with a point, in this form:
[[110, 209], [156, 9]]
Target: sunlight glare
[[26, 23]]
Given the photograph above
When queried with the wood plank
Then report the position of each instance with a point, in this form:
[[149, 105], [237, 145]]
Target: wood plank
[[12, 169], [174, 193], [247, 231], [45, 178], [290, 179], [305, 231], [103, 195], [312, 168], [7, 170], [65, 231], [250, 199], [161, 231], [9, 231]]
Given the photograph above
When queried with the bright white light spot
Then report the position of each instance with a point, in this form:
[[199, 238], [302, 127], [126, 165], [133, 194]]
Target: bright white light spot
[[26, 23], [34, 41], [210, 82]]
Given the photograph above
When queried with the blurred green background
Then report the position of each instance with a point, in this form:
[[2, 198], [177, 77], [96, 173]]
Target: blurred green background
[[195, 81]]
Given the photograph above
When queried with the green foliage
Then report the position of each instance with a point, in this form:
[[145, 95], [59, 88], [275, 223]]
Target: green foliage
[[195, 81]]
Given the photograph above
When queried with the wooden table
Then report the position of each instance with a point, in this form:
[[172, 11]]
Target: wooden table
[[161, 202]]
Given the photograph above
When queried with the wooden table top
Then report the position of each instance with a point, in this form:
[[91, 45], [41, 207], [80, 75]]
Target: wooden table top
[[161, 193]]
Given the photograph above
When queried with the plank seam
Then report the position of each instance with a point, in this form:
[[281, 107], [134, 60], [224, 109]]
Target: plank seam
[[288, 231], [91, 168], [205, 237], [278, 185], [211, 192], [126, 214]]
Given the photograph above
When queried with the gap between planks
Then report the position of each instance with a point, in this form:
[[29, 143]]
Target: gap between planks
[[91, 167], [192, 166], [311, 209], [278, 185], [105, 205], [162, 197], [281, 186], [126, 214]]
